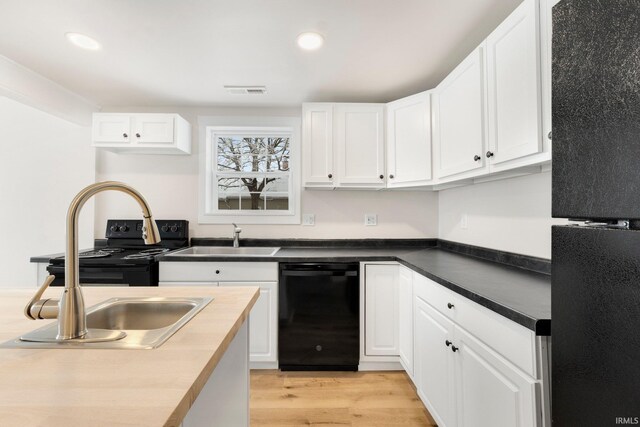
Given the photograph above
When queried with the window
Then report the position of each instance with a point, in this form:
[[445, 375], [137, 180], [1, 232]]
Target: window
[[249, 175]]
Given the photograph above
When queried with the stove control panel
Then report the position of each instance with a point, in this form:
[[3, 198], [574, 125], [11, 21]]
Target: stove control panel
[[132, 229]]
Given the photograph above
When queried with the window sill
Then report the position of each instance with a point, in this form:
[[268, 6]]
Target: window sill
[[249, 219]]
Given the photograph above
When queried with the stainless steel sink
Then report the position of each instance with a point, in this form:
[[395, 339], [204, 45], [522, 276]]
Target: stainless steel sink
[[201, 251], [147, 322]]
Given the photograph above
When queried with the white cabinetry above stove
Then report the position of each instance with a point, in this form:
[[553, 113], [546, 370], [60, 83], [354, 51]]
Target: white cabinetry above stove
[[142, 133]]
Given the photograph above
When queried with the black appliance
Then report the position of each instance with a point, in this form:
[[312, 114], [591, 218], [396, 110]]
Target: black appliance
[[595, 308], [124, 260], [319, 320]]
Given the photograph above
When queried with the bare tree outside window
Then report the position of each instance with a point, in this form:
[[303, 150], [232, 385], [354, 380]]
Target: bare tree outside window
[[252, 172]]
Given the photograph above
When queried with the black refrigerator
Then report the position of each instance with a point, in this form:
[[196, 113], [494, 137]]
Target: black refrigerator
[[595, 329]]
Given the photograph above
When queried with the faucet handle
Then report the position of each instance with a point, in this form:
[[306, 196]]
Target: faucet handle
[[236, 229], [35, 306]]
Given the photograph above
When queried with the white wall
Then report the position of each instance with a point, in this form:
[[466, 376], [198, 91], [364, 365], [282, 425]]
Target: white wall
[[45, 161], [170, 184], [511, 215]]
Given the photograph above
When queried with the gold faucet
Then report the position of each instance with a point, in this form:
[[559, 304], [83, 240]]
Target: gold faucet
[[70, 309]]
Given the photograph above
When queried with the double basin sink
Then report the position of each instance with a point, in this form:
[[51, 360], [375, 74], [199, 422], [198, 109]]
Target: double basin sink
[[203, 251], [147, 322]]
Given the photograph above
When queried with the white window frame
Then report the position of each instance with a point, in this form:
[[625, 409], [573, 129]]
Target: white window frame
[[269, 126]]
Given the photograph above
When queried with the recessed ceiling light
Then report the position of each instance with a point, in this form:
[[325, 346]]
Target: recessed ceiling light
[[310, 41], [85, 42]]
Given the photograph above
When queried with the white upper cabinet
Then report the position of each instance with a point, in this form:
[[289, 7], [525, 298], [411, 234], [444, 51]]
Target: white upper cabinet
[[490, 115], [513, 87], [359, 142], [343, 145], [142, 133], [409, 141], [153, 128], [111, 129], [546, 34], [317, 145], [459, 120]]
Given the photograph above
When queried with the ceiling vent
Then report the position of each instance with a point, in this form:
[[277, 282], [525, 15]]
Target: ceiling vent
[[246, 90]]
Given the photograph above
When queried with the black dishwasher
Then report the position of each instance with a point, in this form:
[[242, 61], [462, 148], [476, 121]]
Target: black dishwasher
[[318, 317]]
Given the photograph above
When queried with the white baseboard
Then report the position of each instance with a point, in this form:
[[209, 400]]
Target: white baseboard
[[380, 366], [263, 365]]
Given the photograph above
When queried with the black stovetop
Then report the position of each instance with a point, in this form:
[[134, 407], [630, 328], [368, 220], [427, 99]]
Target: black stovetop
[[113, 255], [124, 244]]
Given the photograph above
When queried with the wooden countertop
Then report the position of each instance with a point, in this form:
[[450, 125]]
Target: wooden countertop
[[105, 387]]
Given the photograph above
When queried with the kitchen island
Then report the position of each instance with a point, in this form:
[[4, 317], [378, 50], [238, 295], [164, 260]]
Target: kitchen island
[[201, 371]]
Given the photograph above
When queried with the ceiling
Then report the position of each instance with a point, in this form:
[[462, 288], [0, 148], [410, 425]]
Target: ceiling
[[182, 52]]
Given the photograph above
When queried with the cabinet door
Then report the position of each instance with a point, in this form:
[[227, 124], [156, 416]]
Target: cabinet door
[[263, 326], [434, 368], [491, 392], [459, 119], [405, 318], [409, 141], [111, 128], [359, 142], [381, 310], [153, 128], [513, 83], [317, 145], [546, 30]]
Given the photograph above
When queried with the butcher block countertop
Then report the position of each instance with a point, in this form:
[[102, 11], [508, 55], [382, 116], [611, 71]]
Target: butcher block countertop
[[107, 387]]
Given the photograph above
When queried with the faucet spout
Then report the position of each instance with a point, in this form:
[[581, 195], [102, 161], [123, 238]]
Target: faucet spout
[[236, 235], [72, 318]]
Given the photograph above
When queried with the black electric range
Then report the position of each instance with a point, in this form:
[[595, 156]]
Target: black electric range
[[124, 260]]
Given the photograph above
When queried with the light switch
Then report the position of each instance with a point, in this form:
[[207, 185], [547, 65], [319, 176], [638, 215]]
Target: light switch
[[370, 219], [464, 224]]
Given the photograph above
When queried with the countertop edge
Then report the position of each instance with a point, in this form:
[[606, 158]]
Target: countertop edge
[[541, 327]]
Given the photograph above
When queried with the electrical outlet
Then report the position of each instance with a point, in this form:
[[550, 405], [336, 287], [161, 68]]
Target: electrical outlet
[[370, 219], [308, 219], [464, 221]]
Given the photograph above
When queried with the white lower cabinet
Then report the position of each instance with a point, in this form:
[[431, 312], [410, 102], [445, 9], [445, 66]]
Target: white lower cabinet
[[491, 392], [461, 379], [405, 319], [381, 310], [434, 365], [263, 322]]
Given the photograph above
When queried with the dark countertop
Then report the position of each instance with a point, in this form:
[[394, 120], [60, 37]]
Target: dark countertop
[[521, 295]]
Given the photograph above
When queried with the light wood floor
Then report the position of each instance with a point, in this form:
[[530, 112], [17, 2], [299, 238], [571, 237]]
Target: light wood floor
[[361, 399]]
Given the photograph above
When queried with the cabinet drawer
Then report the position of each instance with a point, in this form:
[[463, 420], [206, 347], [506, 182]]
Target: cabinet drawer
[[184, 283], [436, 295], [512, 341], [218, 271]]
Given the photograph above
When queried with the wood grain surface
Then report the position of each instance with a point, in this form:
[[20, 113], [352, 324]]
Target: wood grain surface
[[359, 399], [100, 387]]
